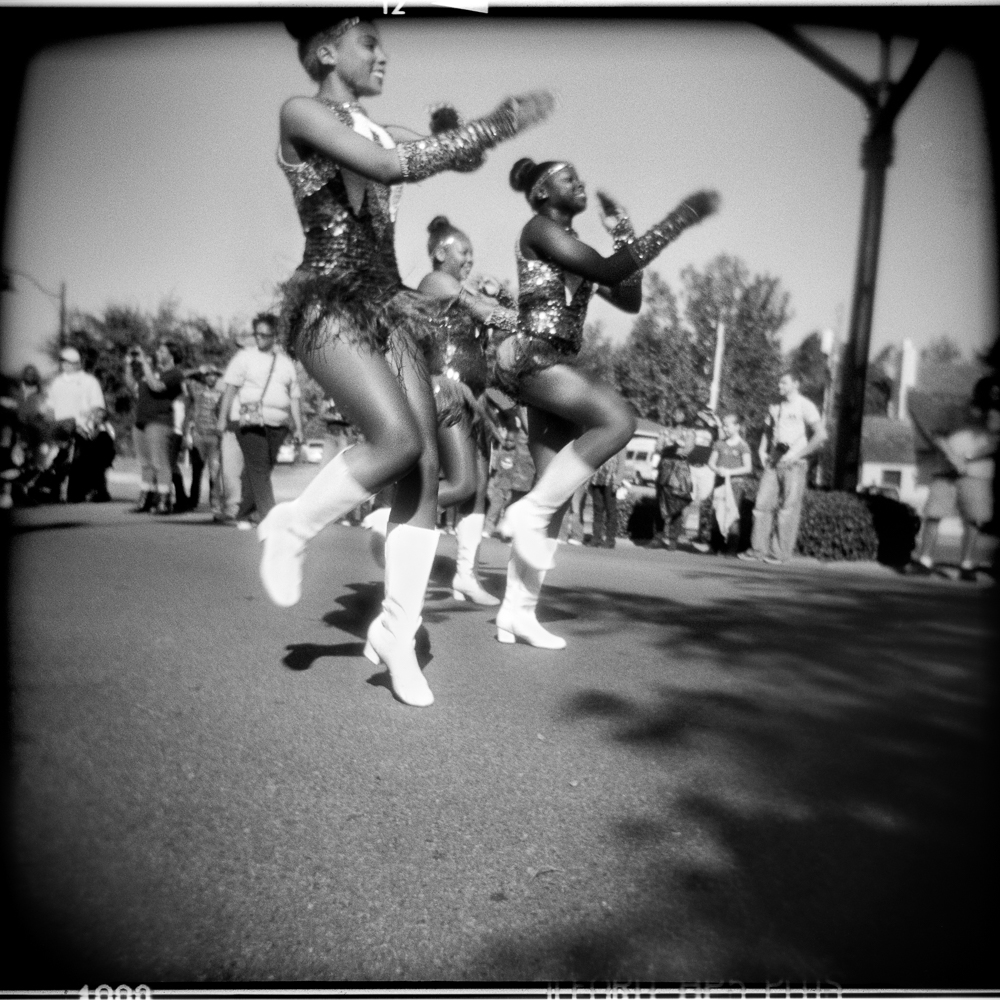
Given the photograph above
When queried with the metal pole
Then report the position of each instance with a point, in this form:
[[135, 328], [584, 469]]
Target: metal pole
[[876, 158], [62, 312], [720, 347]]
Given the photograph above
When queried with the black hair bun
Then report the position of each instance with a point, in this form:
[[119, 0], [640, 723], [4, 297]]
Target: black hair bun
[[520, 174], [309, 22], [444, 119], [439, 224]]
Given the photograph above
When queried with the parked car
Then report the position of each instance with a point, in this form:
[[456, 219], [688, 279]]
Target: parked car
[[312, 451], [641, 460], [287, 454]]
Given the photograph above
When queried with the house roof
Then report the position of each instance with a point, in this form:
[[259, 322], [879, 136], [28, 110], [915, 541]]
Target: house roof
[[887, 441], [648, 428], [949, 378]]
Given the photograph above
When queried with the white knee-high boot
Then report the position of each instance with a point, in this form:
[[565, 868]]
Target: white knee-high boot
[[516, 617], [288, 527], [527, 520], [464, 585], [409, 557]]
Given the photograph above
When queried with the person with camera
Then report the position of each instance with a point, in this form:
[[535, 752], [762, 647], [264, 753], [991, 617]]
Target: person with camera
[[794, 431], [263, 379], [155, 384]]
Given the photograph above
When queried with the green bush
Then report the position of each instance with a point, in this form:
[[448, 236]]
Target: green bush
[[837, 526], [638, 516], [896, 525]]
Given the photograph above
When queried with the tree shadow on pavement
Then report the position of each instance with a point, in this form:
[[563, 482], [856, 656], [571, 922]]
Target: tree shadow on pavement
[[825, 802]]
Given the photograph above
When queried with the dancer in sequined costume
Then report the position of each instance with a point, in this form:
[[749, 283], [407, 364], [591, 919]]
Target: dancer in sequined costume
[[460, 363], [575, 423], [354, 326]]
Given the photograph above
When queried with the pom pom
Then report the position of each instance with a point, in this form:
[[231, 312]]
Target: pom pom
[[520, 174], [444, 118]]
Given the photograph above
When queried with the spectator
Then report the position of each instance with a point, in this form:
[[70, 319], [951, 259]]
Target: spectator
[[732, 463], [32, 419], [794, 431], [263, 379], [967, 490], [604, 484], [178, 445], [156, 385], [571, 530], [706, 433], [231, 459], [673, 479], [205, 438], [75, 400], [513, 469]]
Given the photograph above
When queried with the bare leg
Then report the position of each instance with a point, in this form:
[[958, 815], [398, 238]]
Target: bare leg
[[369, 395], [458, 462], [604, 421], [415, 501]]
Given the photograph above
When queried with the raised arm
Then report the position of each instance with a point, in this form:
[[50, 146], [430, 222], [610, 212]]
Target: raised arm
[[548, 241], [307, 124]]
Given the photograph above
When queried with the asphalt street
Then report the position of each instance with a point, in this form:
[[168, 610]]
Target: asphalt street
[[734, 772]]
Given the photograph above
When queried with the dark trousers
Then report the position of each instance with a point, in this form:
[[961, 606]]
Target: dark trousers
[[87, 473], [260, 454], [605, 515]]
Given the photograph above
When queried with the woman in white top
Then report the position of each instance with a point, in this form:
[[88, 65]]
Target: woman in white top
[[264, 381]]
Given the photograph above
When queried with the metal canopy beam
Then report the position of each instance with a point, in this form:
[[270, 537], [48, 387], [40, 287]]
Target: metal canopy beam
[[884, 100]]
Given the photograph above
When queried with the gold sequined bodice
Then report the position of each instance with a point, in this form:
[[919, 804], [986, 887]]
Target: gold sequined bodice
[[542, 306], [340, 240]]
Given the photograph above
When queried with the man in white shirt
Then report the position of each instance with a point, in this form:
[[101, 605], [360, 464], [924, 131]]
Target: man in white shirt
[[794, 431], [75, 397], [75, 394], [263, 381]]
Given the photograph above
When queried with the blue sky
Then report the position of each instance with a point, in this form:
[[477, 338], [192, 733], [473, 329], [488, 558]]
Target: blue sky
[[144, 166]]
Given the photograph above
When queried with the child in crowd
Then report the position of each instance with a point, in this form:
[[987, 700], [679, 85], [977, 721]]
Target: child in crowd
[[732, 463]]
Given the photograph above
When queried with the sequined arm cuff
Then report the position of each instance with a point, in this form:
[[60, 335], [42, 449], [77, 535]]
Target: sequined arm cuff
[[649, 245], [623, 235], [458, 149]]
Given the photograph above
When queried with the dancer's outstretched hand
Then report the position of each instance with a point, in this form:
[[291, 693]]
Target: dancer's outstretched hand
[[612, 212], [531, 108], [702, 203]]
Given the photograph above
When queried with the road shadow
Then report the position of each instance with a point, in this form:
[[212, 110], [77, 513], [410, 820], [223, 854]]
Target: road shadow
[[826, 809]]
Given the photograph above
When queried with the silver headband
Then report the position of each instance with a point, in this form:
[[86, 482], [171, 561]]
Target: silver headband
[[341, 27], [536, 187], [444, 241]]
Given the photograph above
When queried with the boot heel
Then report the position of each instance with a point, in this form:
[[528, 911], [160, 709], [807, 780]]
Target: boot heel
[[370, 654], [458, 595], [504, 636]]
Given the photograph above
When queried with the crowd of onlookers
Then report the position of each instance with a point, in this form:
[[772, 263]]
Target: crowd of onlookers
[[57, 444]]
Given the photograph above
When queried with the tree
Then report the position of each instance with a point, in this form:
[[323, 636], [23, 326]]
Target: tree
[[656, 368], [597, 355], [809, 363], [667, 358], [944, 350]]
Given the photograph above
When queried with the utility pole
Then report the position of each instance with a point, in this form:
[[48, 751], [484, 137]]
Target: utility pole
[[884, 100]]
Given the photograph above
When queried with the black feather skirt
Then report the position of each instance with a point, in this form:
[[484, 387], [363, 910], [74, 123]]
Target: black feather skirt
[[390, 319]]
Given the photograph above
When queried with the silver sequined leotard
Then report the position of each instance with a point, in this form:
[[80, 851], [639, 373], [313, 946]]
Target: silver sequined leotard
[[348, 284], [550, 315]]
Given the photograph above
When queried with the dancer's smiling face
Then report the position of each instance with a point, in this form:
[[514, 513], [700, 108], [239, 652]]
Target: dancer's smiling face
[[455, 256], [566, 190], [360, 60]]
